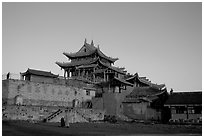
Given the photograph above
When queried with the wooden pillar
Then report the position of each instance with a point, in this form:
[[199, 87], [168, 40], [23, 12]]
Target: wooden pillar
[[104, 76], [83, 73], [68, 73], [87, 73], [64, 73], [78, 72], [94, 74], [187, 112]]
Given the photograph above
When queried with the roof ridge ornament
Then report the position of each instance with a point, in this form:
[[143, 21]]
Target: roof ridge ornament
[[92, 43], [85, 41]]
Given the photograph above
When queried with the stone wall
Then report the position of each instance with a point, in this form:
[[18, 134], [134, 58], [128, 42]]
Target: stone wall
[[39, 113], [46, 94], [14, 112]]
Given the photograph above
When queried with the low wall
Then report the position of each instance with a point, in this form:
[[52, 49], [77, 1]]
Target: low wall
[[14, 112]]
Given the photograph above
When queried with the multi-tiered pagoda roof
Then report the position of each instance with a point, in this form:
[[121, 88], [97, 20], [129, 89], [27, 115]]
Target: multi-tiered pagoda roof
[[91, 60]]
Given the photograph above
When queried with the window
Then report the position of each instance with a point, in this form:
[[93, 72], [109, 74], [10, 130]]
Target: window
[[181, 110], [191, 110], [87, 92], [84, 49], [75, 93]]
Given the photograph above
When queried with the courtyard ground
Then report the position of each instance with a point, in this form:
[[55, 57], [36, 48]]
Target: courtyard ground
[[23, 128]]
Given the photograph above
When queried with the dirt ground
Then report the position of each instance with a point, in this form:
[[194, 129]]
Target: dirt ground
[[23, 128]]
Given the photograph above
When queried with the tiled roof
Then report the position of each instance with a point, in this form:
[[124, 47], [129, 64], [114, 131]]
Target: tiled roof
[[123, 81], [106, 57], [184, 98], [146, 81], [145, 91], [76, 63], [39, 73], [91, 50], [113, 68], [79, 54]]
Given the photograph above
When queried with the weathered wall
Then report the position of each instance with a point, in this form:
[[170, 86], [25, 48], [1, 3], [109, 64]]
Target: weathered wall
[[113, 101], [4, 91], [97, 103], [120, 98], [110, 103], [39, 113], [43, 93], [13, 112], [141, 111], [135, 111]]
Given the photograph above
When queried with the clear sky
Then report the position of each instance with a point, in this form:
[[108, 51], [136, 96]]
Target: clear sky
[[161, 41]]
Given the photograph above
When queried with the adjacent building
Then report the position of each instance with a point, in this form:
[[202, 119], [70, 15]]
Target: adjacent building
[[185, 105], [38, 76]]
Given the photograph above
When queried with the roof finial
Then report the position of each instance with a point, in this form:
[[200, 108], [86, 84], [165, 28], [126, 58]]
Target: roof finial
[[85, 41], [98, 47], [92, 43]]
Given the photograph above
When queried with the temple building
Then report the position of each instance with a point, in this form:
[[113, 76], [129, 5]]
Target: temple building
[[90, 63]]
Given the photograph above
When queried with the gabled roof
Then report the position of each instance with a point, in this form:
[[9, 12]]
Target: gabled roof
[[145, 81], [181, 98], [39, 73], [91, 50]]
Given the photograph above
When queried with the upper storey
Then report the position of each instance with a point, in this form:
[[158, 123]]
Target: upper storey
[[89, 50]]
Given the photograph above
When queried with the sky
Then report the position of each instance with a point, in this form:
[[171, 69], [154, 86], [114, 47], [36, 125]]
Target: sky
[[160, 41]]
